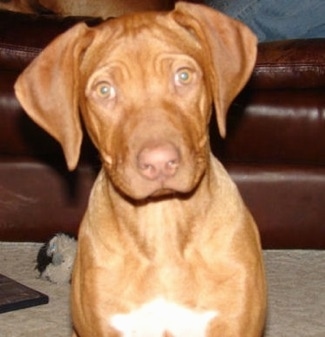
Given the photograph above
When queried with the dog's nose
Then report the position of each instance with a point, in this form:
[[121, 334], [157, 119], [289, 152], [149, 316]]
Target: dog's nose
[[158, 162]]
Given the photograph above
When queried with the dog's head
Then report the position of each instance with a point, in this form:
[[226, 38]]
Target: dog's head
[[144, 85]]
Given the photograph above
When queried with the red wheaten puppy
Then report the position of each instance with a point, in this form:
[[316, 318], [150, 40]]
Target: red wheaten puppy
[[166, 246]]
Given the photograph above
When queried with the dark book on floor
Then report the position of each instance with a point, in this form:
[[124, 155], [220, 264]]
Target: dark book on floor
[[14, 295]]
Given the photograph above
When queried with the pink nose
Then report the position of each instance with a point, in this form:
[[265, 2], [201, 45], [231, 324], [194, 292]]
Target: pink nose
[[158, 162]]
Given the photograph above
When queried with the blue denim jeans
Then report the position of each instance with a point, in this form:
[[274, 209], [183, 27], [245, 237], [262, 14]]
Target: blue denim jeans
[[277, 19]]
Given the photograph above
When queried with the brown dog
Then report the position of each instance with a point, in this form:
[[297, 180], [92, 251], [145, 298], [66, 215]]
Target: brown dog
[[166, 247]]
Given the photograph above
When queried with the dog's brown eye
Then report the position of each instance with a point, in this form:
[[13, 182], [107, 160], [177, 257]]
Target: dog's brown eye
[[183, 76], [105, 90]]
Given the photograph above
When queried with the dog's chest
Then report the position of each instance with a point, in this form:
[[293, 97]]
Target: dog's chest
[[161, 318]]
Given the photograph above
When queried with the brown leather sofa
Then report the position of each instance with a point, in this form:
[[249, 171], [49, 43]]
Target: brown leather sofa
[[275, 146]]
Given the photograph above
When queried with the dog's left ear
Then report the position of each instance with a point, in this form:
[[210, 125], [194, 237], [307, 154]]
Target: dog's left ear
[[230, 49]]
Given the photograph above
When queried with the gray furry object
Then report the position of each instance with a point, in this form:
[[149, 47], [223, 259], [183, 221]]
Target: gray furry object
[[56, 258]]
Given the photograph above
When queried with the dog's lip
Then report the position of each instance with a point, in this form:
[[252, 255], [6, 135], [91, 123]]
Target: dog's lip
[[157, 194], [162, 192]]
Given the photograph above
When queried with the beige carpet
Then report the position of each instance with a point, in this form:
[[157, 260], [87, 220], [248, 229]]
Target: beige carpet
[[296, 295]]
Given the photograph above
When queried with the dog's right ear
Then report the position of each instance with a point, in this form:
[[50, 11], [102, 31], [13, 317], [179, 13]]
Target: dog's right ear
[[48, 89]]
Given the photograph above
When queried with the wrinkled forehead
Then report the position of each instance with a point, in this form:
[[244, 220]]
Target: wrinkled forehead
[[138, 38]]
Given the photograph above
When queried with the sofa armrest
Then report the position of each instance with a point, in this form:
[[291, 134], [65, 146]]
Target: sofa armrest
[[290, 64], [23, 36]]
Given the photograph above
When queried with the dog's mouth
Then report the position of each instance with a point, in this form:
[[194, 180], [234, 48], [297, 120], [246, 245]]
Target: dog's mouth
[[155, 196], [163, 192]]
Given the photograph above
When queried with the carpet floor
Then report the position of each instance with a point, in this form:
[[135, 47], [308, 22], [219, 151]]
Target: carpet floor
[[296, 282]]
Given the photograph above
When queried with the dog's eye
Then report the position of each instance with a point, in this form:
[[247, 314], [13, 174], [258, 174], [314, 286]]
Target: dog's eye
[[105, 90], [183, 76]]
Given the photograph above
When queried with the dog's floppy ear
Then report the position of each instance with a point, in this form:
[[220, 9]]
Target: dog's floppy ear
[[48, 89], [230, 49]]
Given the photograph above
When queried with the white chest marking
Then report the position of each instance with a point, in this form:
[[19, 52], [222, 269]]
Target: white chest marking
[[159, 316]]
